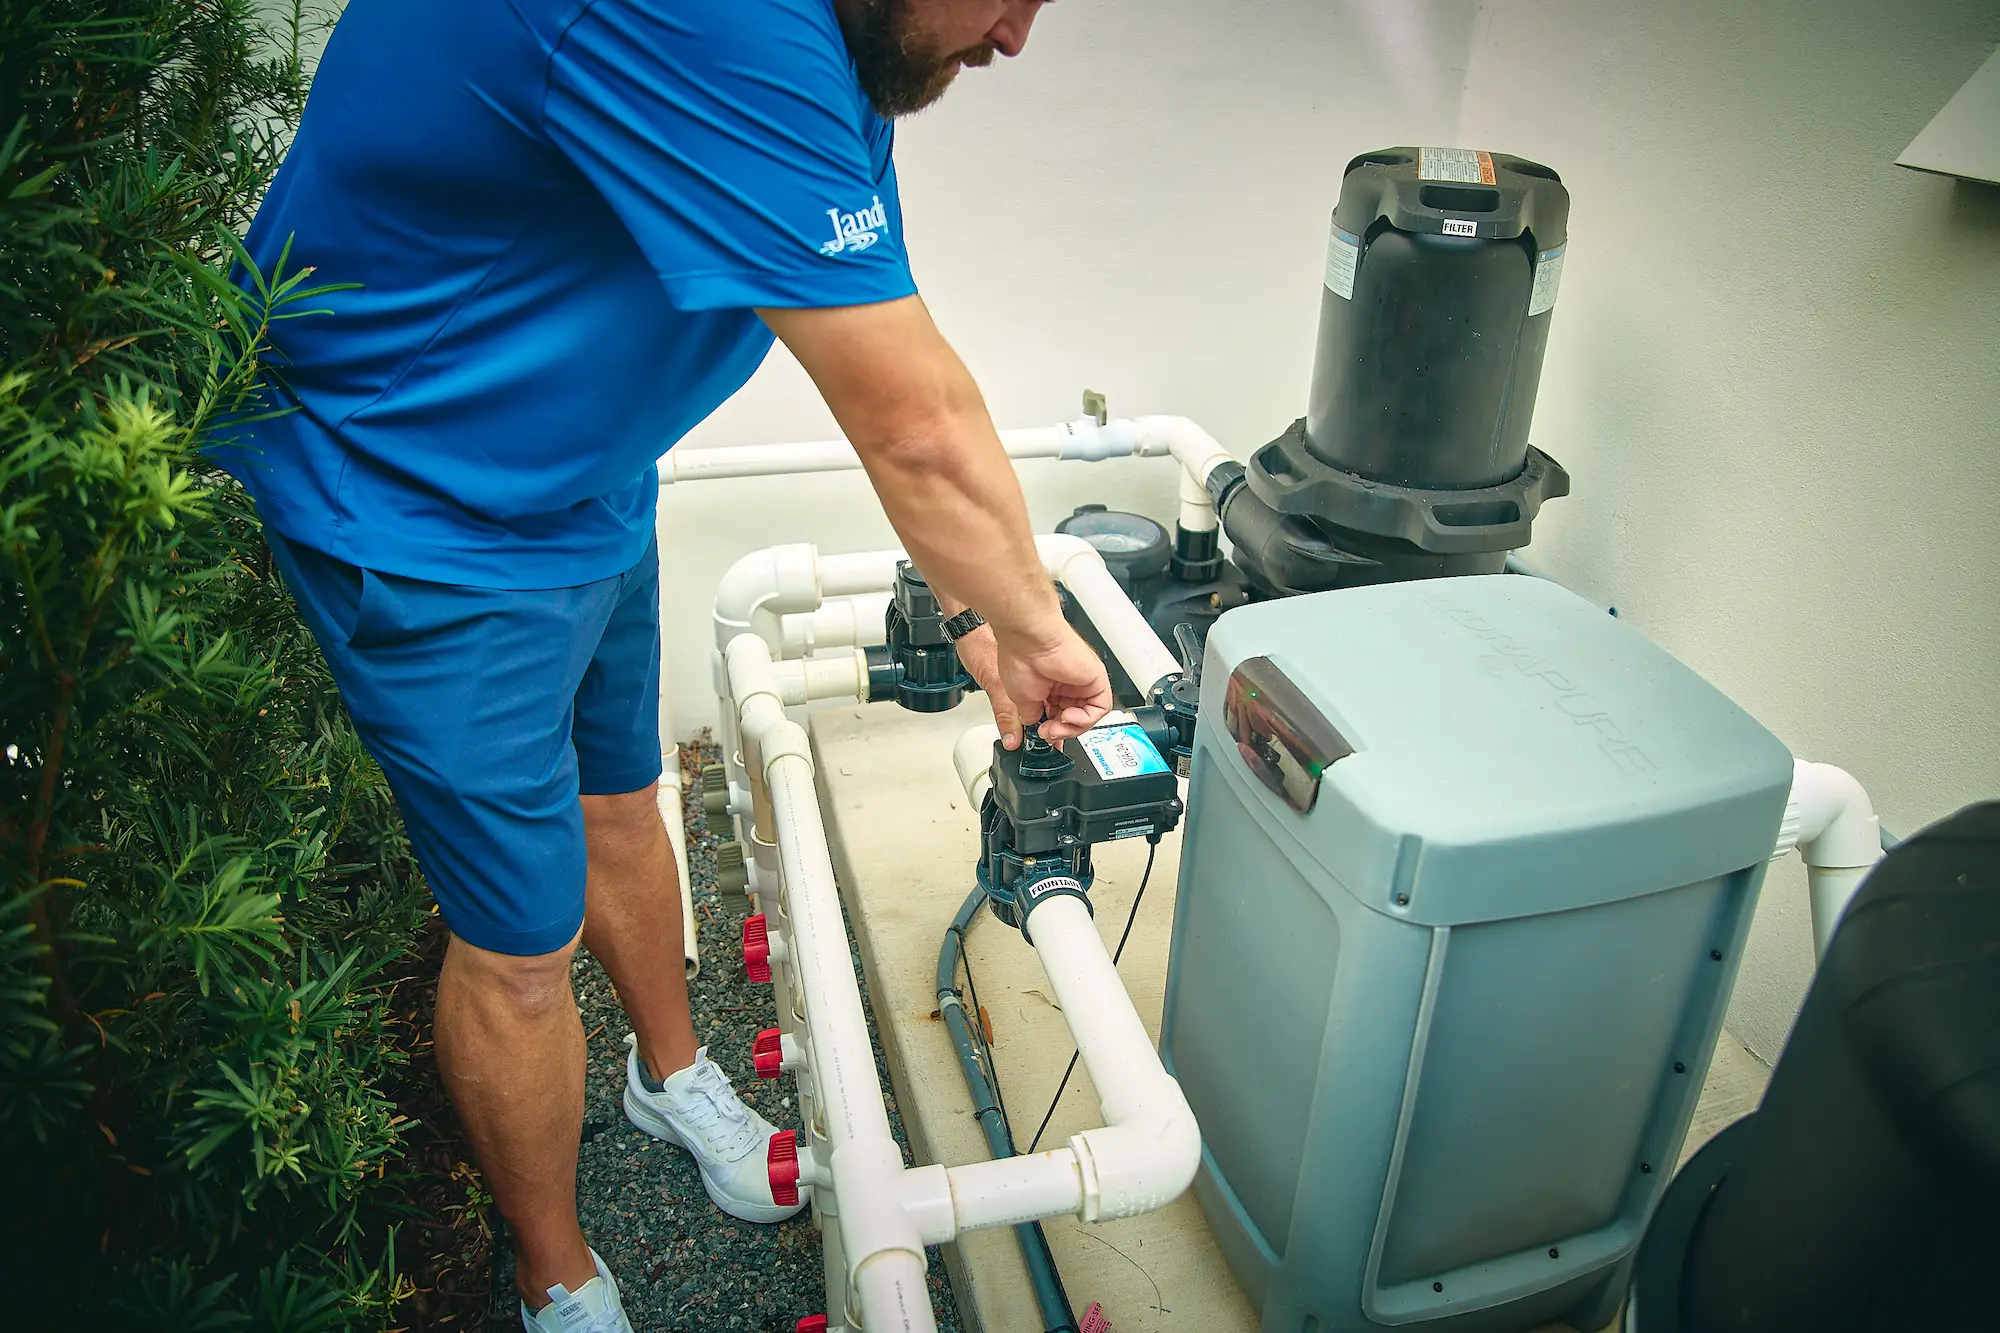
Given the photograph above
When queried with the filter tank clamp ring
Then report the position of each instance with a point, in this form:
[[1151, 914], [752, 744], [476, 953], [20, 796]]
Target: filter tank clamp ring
[[1287, 478]]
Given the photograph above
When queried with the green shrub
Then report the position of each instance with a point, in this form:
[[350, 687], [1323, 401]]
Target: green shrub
[[203, 883]]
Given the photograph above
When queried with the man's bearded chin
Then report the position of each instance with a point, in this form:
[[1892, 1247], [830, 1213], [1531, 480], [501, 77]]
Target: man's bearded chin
[[898, 78]]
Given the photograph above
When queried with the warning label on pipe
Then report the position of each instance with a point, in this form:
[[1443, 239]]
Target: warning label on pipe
[[1121, 752], [1465, 165]]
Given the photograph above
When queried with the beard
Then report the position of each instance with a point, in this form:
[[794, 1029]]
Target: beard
[[898, 76]]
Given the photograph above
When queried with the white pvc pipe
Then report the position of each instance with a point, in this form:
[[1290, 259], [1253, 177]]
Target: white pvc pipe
[[1147, 1152], [765, 585], [1008, 1191], [674, 815], [834, 676], [1078, 566], [972, 757], [762, 586], [1193, 448], [883, 1214], [840, 622], [1198, 454], [1082, 440], [891, 1289], [1832, 823], [883, 1248]]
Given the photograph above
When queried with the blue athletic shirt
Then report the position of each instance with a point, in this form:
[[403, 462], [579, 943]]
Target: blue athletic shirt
[[561, 213]]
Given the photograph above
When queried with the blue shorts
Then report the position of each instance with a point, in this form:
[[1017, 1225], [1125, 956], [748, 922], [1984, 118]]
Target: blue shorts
[[491, 711]]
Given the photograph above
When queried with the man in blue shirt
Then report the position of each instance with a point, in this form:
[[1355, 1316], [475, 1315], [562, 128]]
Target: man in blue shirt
[[576, 226]]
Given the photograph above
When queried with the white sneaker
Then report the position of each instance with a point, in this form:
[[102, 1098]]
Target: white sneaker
[[593, 1307], [697, 1109]]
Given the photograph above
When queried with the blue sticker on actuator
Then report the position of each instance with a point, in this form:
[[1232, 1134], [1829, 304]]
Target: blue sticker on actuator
[[1121, 752]]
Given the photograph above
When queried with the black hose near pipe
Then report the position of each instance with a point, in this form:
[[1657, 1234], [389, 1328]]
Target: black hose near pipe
[[1057, 1317]]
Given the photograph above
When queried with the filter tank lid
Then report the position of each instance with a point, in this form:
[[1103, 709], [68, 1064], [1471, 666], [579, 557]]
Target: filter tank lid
[[1515, 749], [1444, 190]]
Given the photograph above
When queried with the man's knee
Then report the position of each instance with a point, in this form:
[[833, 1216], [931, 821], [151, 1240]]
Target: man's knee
[[531, 986], [624, 819]]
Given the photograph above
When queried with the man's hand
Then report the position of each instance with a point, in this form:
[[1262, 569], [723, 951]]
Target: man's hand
[[916, 419], [1066, 685], [1073, 690], [1061, 682], [979, 654]]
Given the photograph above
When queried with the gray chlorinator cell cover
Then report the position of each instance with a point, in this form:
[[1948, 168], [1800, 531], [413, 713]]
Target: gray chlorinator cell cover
[[1465, 877]]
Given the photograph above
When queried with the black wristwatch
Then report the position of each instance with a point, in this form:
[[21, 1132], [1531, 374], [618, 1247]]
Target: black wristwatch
[[963, 624]]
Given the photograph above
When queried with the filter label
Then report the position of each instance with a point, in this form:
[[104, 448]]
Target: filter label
[[1343, 252], [1465, 165], [1548, 277], [1121, 752], [1460, 227]]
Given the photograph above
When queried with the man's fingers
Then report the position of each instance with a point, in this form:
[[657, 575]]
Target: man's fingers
[[1071, 721], [1008, 719]]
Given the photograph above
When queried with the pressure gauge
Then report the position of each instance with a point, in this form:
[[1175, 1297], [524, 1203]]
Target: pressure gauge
[[1133, 546]]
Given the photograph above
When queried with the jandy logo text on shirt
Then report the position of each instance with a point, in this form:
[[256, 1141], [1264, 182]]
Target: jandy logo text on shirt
[[855, 231]]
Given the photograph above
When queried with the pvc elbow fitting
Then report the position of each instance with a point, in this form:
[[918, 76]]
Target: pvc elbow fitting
[[763, 585], [1143, 1162], [1829, 819]]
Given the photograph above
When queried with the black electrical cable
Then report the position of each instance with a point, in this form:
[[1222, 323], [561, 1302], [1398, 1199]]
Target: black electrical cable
[[1050, 1298], [1130, 917]]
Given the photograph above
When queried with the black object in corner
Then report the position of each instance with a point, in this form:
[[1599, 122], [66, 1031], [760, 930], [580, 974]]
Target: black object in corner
[[1861, 1195]]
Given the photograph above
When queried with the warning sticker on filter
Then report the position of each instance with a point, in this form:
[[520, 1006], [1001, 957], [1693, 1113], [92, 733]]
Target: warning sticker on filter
[[1548, 280], [1121, 752], [1343, 252], [1465, 165]]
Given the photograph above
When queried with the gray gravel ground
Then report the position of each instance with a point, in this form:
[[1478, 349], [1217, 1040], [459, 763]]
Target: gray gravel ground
[[682, 1265]]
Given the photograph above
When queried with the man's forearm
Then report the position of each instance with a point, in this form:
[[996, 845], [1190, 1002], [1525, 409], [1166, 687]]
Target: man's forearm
[[957, 506], [915, 417]]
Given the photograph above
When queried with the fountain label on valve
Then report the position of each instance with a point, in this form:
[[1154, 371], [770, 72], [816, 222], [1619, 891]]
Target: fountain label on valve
[[1121, 752]]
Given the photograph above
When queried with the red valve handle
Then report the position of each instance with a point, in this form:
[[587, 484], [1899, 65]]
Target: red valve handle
[[757, 948], [767, 1053], [782, 1160], [812, 1323]]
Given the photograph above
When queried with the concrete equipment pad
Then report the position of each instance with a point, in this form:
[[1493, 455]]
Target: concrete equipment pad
[[904, 843]]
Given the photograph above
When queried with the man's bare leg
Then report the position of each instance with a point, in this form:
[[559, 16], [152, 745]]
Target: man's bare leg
[[511, 1049], [632, 923]]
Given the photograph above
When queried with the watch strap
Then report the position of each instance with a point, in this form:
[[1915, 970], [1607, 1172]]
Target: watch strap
[[962, 624]]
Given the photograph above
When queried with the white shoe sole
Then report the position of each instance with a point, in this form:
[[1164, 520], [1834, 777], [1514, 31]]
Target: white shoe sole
[[645, 1118]]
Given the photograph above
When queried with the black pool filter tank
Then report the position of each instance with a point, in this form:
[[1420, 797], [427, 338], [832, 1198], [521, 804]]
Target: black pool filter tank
[[1413, 460]]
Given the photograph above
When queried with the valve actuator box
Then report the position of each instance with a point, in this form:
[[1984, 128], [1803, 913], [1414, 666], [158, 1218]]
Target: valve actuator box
[[1049, 803], [1467, 870]]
